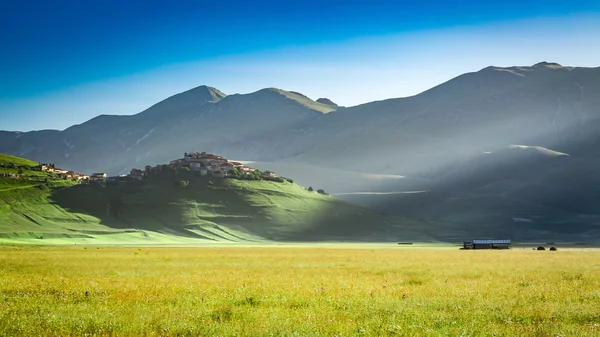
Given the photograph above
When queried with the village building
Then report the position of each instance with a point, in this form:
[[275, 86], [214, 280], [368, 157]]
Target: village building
[[177, 163], [67, 175], [247, 169], [226, 166], [44, 167], [204, 158], [137, 174], [59, 171], [195, 166], [269, 174], [98, 177]]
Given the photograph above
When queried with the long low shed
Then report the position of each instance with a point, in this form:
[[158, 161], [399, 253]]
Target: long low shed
[[487, 244]]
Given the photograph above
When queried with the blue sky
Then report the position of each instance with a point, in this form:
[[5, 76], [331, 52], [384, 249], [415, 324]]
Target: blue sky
[[64, 62]]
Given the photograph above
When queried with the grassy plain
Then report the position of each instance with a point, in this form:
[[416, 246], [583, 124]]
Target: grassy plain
[[343, 290]]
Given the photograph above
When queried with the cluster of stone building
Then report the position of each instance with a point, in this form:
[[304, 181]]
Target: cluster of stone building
[[62, 173], [206, 164]]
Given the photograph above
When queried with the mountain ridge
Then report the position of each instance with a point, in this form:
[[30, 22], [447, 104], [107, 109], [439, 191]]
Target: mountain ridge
[[216, 95], [120, 133]]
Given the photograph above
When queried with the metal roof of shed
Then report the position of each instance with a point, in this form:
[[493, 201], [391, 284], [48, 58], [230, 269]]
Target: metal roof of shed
[[491, 241]]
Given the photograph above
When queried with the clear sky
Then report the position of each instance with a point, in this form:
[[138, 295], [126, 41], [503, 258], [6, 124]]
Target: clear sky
[[64, 62]]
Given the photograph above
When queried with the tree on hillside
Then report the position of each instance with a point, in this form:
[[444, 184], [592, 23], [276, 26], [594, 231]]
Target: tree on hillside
[[310, 189], [182, 171]]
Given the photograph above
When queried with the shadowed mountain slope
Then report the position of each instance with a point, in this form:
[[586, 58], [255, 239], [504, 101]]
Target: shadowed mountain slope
[[482, 111]]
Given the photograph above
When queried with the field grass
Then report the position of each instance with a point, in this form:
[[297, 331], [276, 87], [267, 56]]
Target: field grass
[[297, 291]]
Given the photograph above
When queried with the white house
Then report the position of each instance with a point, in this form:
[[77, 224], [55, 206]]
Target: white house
[[98, 177]]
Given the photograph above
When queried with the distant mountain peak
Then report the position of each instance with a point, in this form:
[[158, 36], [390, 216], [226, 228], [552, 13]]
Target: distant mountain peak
[[213, 94], [326, 101], [299, 94], [194, 97], [520, 69], [546, 64], [299, 98]]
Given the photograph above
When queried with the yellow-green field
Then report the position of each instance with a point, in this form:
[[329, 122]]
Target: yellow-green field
[[302, 291]]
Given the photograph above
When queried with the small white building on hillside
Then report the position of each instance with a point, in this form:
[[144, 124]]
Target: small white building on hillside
[[98, 177]]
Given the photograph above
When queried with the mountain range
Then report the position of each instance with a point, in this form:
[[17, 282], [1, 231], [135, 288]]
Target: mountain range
[[502, 151]]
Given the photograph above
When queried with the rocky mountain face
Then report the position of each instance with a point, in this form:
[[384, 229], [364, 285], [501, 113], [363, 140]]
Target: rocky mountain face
[[499, 151], [202, 118]]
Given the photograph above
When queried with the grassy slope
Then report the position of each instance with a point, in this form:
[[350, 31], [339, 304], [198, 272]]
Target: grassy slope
[[161, 211], [24, 164], [26, 211], [224, 210], [4, 158]]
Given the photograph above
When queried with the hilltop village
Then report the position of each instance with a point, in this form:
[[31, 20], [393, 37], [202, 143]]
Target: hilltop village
[[203, 164]]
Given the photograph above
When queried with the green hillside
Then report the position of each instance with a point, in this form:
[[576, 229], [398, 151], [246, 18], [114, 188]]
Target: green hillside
[[19, 166], [179, 208], [6, 159]]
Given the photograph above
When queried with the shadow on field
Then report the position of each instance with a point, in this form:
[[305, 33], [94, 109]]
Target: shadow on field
[[220, 210]]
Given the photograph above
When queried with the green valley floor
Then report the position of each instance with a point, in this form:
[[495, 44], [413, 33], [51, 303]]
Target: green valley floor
[[299, 290]]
